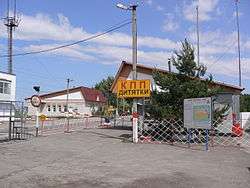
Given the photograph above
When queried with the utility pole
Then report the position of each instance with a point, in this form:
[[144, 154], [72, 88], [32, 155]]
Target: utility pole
[[198, 35], [134, 54], [133, 8], [11, 22], [67, 104], [238, 30]]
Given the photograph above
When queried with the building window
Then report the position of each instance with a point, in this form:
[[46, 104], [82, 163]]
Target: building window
[[48, 108], [65, 108], [4, 87], [54, 108], [59, 108]]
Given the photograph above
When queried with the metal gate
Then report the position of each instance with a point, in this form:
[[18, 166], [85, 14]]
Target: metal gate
[[13, 121]]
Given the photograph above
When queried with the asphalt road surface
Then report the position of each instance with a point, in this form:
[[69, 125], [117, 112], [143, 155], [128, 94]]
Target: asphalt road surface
[[96, 158]]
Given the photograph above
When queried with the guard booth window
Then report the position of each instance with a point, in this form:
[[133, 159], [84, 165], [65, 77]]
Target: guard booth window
[[54, 108], [4, 87], [59, 108]]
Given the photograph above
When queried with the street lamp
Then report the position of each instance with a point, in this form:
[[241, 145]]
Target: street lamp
[[121, 6], [132, 8]]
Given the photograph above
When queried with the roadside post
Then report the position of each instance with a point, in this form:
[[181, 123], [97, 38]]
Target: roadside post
[[42, 118], [206, 139], [133, 89], [198, 115], [189, 137], [133, 9], [36, 102]]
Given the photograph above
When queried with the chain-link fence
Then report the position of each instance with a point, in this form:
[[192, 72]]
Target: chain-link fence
[[172, 131]]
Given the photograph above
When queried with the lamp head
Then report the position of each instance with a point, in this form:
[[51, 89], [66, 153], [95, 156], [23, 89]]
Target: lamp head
[[121, 6]]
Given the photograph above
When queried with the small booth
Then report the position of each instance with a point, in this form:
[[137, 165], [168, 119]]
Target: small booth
[[231, 103]]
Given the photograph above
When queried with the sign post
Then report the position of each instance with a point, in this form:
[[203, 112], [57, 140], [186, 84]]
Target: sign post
[[133, 89], [36, 102], [42, 118], [198, 115]]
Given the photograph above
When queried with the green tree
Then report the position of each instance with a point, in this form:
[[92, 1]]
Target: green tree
[[245, 103], [104, 86], [189, 82]]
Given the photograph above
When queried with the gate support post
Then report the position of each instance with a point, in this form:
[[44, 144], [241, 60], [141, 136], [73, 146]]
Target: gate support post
[[10, 121]]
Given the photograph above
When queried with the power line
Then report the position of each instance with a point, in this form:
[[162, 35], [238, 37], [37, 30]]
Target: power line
[[111, 29]]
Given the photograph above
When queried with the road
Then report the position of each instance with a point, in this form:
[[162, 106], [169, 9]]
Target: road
[[98, 158]]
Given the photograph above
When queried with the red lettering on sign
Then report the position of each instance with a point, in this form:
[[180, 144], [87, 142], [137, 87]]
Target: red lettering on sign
[[123, 85], [142, 83], [132, 85]]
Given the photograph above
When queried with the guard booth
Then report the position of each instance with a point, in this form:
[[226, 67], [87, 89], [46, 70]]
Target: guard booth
[[231, 102]]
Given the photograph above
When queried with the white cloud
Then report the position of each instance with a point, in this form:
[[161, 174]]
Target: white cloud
[[215, 42], [115, 47], [227, 66], [106, 54], [206, 8], [42, 27], [170, 24], [246, 45], [72, 52]]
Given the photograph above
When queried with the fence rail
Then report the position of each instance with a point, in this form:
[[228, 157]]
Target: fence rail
[[172, 131]]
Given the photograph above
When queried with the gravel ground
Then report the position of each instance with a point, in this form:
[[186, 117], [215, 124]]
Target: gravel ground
[[98, 158]]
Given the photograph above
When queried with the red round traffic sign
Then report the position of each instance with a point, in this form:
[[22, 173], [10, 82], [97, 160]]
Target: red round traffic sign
[[35, 101]]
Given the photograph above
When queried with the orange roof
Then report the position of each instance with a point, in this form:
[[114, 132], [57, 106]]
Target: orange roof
[[89, 94], [151, 69]]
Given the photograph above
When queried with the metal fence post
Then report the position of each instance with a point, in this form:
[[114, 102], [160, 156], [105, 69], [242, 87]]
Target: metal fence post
[[10, 120], [22, 127]]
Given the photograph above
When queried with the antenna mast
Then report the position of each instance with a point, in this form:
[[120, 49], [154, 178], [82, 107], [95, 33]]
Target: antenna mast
[[198, 35], [11, 22], [238, 32]]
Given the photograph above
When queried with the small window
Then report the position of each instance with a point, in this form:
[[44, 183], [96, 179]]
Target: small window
[[1, 87], [48, 108], [65, 108], [54, 108], [59, 108], [7, 88]]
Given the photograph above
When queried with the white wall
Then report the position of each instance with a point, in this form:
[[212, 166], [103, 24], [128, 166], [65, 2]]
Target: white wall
[[245, 119], [76, 100], [4, 110], [12, 79]]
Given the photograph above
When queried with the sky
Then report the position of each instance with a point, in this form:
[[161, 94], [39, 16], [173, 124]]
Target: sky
[[162, 25]]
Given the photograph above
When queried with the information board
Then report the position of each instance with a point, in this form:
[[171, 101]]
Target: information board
[[198, 113], [133, 88]]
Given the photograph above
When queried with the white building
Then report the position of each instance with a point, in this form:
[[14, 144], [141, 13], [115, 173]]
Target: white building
[[82, 101], [7, 94], [7, 86]]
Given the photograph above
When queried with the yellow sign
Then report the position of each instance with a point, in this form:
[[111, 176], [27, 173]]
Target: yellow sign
[[133, 88], [42, 117]]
